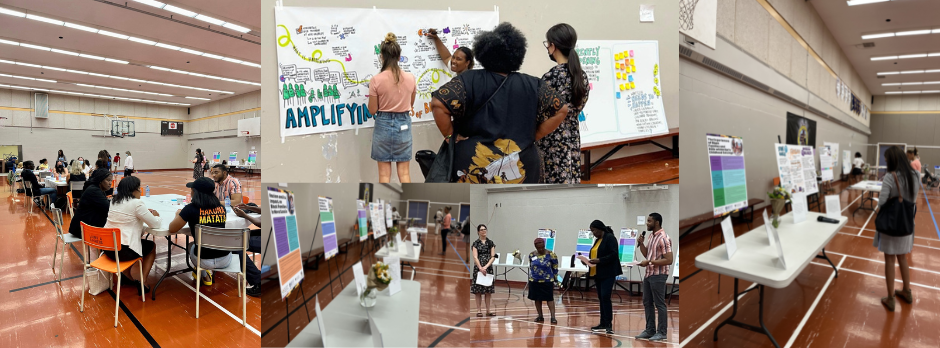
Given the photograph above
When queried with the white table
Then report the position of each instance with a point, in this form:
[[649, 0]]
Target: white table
[[756, 259], [402, 254], [165, 206], [868, 188], [420, 231], [348, 326], [524, 267], [52, 182]]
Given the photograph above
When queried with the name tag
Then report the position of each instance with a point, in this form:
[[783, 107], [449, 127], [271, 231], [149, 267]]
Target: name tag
[[404, 127], [534, 258]]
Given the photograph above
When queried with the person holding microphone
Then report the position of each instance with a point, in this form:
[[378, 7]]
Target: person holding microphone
[[658, 259], [605, 267]]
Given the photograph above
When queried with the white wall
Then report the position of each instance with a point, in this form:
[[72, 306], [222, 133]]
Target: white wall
[[608, 20]]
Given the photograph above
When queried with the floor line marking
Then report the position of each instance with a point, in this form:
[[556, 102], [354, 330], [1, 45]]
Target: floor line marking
[[799, 328], [867, 237], [713, 318], [879, 261], [577, 329], [850, 204], [204, 297], [866, 223], [877, 276], [442, 325]]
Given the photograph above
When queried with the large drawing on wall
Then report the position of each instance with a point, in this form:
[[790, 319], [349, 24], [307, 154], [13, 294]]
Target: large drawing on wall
[[698, 20], [326, 57]]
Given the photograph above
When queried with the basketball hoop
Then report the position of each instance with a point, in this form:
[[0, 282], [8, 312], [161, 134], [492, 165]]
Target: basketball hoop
[[686, 12]]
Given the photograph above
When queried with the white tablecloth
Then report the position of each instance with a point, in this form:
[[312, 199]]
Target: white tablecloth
[[167, 208]]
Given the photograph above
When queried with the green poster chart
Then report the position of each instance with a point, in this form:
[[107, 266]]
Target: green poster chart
[[627, 247], [363, 220], [726, 164]]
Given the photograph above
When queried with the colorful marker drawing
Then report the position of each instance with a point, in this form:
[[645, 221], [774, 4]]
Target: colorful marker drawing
[[349, 57], [446, 30], [285, 40], [300, 29]]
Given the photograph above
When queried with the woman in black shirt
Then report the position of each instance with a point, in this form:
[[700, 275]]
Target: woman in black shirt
[[205, 210], [94, 205]]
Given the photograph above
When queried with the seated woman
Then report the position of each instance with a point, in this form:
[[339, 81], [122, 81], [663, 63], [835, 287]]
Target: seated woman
[[205, 210], [60, 173], [129, 214], [86, 167], [37, 189], [497, 114], [94, 205], [43, 164]]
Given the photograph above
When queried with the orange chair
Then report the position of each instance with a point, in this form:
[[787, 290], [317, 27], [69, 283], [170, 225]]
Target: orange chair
[[68, 196], [244, 199], [108, 239], [65, 237]]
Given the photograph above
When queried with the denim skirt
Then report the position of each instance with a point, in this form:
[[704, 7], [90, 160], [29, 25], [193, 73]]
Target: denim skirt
[[391, 137]]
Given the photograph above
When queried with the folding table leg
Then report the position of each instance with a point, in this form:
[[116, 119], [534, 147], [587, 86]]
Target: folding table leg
[[762, 329]]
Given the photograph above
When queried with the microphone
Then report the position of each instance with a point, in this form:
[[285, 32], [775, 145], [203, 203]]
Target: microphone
[[825, 219]]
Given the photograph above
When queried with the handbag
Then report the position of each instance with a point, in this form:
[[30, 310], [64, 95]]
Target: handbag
[[896, 217], [441, 168], [98, 281]]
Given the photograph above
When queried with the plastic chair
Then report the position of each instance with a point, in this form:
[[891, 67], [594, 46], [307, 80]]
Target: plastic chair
[[675, 278], [65, 237], [244, 199], [229, 239], [108, 239], [32, 195]]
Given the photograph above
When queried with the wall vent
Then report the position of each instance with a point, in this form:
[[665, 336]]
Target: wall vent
[[42, 105]]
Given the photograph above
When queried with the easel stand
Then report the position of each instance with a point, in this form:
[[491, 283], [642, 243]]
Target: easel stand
[[316, 265], [287, 307]]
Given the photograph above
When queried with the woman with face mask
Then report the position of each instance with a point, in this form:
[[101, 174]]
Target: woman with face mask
[[561, 149]]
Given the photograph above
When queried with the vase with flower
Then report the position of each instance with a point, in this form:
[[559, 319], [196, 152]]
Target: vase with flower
[[778, 200], [378, 280]]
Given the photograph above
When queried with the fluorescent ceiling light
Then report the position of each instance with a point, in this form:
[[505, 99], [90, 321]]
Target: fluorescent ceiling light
[[116, 61], [913, 72], [34, 46], [168, 46], [159, 68], [14, 43], [11, 12], [77, 72], [191, 51], [64, 52], [83, 55], [236, 27], [888, 73], [925, 92], [198, 98], [143, 41], [919, 55], [876, 36], [891, 84], [29, 65], [911, 83], [206, 76], [911, 92], [863, 2], [913, 32], [205, 18], [7, 61], [97, 95], [81, 27], [212, 56], [44, 19], [893, 92], [97, 74], [108, 33], [181, 11], [156, 4], [884, 58]]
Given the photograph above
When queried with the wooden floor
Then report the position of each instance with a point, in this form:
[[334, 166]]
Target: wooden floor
[[445, 285], [817, 309], [514, 325], [35, 311], [652, 168]]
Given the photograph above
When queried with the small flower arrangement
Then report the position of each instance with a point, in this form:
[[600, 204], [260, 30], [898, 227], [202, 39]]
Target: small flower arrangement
[[378, 280], [778, 193], [517, 255], [392, 232], [778, 199]]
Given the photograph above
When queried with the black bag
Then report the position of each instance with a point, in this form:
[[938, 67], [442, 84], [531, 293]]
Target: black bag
[[896, 217], [441, 165]]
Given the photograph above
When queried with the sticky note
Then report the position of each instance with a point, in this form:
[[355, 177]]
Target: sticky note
[[632, 62], [618, 95], [631, 53], [632, 86], [633, 68], [623, 67], [630, 78], [617, 56], [625, 53], [622, 88], [618, 75], [591, 86]]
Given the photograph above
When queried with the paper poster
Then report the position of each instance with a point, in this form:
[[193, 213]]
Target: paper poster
[[646, 13], [625, 91], [328, 226], [362, 220], [768, 225], [509, 259], [846, 162], [729, 182], [320, 320], [388, 216], [833, 206], [627, 247], [360, 277], [834, 151], [727, 230], [216, 157], [327, 56], [698, 20], [377, 211], [809, 171], [826, 162], [394, 270], [252, 157], [585, 243], [286, 241], [232, 157], [640, 220], [549, 237], [798, 201], [797, 168]]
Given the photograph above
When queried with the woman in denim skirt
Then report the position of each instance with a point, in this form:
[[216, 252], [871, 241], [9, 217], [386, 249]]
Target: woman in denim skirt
[[391, 95]]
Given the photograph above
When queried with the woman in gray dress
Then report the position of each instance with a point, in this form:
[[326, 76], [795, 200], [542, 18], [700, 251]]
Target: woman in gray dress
[[899, 172]]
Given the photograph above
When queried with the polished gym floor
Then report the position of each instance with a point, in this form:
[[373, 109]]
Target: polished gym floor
[[36, 311], [818, 309]]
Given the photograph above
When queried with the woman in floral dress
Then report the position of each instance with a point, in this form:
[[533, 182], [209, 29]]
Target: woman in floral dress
[[484, 252]]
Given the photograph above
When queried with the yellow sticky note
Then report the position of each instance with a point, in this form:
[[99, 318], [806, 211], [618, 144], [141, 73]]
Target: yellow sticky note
[[618, 75], [632, 86], [622, 88], [617, 66], [633, 68], [625, 54], [632, 62], [617, 56]]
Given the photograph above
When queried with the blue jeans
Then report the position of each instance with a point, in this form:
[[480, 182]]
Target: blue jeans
[[605, 287], [52, 195], [654, 295]]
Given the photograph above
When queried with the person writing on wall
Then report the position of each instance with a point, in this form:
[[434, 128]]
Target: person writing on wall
[[561, 149], [658, 260], [605, 267], [391, 96], [460, 61], [484, 254], [543, 272]]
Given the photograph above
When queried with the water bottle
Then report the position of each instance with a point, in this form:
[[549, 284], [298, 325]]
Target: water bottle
[[228, 203], [148, 190]]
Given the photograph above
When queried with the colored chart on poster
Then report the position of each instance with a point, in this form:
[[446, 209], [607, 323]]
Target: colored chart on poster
[[362, 219], [216, 157], [326, 58], [627, 247], [585, 242], [549, 237], [233, 156], [252, 157], [729, 182], [377, 211], [286, 240], [328, 226]]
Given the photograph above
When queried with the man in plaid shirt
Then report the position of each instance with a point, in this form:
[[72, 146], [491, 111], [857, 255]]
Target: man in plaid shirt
[[658, 261], [226, 185]]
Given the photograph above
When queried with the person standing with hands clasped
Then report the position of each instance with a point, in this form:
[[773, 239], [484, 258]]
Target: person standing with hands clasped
[[658, 260], [605, 267], [484, 253], [391, 96]]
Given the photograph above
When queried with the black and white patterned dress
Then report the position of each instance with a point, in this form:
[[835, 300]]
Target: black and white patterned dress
[[483, 255], [198, 171], [561, 149]]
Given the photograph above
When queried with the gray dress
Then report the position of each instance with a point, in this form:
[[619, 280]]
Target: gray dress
[[892, 245]]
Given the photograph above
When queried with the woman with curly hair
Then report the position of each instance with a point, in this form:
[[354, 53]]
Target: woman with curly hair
[[495, 114]]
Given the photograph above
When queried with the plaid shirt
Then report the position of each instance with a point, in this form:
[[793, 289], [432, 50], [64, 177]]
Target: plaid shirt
[[226, 188], [659, 245]]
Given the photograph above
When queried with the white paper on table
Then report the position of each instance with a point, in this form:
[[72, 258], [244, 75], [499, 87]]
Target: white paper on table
[[485, 280], [768, 224], [360, 278], [410, 249], [414, 236], [394, 269], [376, 335], [798, 200], [398, 239], [833, 208], [640, 220], [728, 231], [509, 259], [779, 247], [320, 320], [646, 13]]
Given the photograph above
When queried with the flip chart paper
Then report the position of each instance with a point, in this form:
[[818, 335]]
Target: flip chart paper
[[728, 231]]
